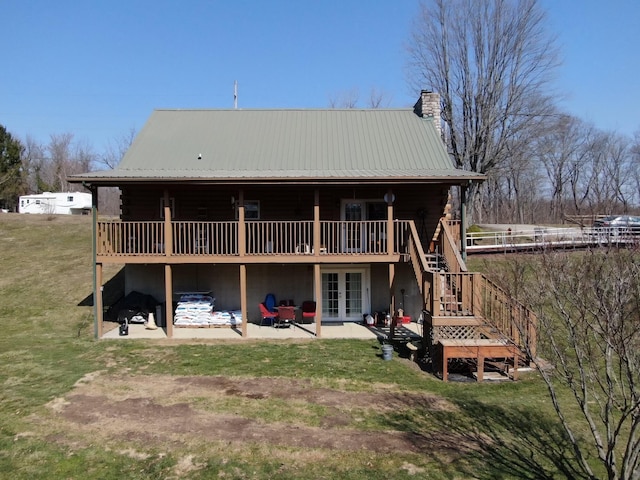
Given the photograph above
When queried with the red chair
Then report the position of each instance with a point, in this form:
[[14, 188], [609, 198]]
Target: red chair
[[272, 317], [308, 311], [286, 316]]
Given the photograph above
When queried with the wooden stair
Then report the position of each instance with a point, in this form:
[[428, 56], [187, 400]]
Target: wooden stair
[[465, 307]]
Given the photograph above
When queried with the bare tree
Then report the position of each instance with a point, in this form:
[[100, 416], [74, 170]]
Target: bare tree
[[589, 330], [378, 98], [345, 99], [109, 197], [59, 164], [612, 166], [116, 149], [33, 161], [618, 170], [491, 63], [83, 158], [635, 163], [562, 150], [513, 191]]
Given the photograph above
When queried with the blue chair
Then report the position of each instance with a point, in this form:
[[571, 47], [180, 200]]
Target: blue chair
[[270, 302]]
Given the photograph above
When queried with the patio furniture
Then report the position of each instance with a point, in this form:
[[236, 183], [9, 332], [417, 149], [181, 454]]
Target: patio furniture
[[267, 315], [308, 311], [286, 316], [270, 302]]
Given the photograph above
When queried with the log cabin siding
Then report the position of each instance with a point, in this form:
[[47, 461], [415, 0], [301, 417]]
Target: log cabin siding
[[424, 204]]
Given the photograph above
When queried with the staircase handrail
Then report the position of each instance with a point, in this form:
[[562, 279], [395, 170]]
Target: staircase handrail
[[426, 277], [509, 316], [450, 249]]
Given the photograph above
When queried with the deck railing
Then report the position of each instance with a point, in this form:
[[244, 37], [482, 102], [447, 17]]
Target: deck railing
[[506, 314], [367, 237], [279, 238], [130, 238], [205, 238], [448, 247]]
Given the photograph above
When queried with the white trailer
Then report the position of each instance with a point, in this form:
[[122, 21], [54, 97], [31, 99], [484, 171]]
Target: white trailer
[[63, 203]]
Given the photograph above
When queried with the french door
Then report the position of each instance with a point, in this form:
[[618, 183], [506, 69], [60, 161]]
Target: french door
[[345, 294]]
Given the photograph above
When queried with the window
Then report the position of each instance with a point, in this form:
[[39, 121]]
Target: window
[[251, 210], [376, 211], [70, 198], [172, 207]]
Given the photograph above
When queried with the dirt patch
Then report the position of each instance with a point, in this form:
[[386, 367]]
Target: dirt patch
[[158, 411]]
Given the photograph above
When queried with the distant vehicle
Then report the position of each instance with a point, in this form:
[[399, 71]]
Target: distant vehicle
[[64, 203], [616, 225]]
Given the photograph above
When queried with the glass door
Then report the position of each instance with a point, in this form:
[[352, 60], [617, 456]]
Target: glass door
[[353, 213], [344, 294]]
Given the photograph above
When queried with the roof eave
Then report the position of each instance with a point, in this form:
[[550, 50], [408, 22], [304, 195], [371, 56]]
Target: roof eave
[[114, 181]]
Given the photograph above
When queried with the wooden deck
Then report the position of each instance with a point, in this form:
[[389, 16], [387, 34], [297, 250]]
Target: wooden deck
[[250, 242], [479, 349]]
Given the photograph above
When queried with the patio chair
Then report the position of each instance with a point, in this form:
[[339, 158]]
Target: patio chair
[[267, 315], [286, 316], [270, 302], [201, 242], [308, 311]]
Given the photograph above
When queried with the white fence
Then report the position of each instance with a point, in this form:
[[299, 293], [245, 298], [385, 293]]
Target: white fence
[[543, 237]]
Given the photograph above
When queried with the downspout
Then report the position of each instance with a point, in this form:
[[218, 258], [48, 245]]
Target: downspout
[[463, 222]]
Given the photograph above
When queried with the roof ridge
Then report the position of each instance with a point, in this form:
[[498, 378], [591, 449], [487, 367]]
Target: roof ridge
[[292, 109]]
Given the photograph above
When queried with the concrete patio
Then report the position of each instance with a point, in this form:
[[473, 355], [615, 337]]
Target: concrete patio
[[352, 330]]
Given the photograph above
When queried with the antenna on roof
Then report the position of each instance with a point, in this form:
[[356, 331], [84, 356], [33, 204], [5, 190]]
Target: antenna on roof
[[235, 94]]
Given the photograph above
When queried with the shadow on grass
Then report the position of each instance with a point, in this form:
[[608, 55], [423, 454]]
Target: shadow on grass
[[112, 292], [496, 442]]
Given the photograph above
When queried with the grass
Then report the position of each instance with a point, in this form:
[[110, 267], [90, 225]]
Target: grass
[[47, 346]]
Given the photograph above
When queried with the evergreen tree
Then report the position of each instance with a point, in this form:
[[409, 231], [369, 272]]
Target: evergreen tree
[[12, 177]]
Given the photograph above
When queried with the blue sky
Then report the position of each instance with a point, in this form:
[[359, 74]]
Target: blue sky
[[97, 68]]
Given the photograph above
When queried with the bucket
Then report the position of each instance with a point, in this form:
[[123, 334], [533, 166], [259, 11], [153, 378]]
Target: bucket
[[160, 316], [387, 352]]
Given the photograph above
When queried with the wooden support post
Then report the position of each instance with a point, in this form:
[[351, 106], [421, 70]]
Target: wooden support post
[[463, 222], [243, 298], [317, 283], [98, 301], [97, 269], [168, 228], [242, 227], [316, 224], [390, 233], [480, 372], [168, 294], [392, 290]]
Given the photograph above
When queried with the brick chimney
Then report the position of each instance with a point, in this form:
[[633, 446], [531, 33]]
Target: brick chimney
[[428, 105]]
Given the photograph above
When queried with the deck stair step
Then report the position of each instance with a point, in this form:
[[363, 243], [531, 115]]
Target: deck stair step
[[433, 261]]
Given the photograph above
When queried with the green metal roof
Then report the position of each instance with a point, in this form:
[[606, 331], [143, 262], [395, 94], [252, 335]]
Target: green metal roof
[[294, 145]]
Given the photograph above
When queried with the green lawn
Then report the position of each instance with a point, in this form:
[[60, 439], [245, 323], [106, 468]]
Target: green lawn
[[48, 358]]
